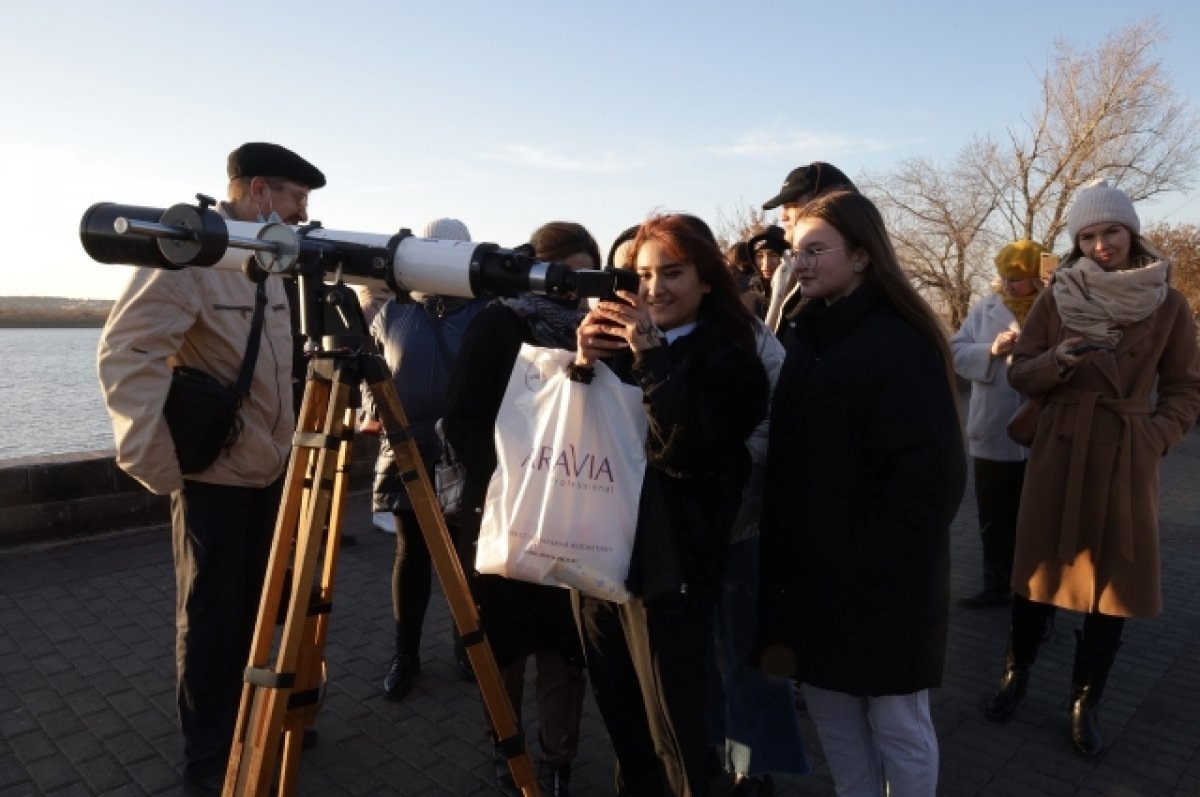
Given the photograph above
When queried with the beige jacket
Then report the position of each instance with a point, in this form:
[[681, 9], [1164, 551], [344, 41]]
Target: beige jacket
[[199, 317]]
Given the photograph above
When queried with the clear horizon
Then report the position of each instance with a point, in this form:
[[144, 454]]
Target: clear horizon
[[508, 116]]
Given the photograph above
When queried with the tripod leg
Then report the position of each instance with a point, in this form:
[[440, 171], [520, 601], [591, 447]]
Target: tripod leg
[[321, 445], [450, 574], [306, 696]]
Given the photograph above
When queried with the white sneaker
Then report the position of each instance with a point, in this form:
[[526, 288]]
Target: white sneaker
[[384, 521]]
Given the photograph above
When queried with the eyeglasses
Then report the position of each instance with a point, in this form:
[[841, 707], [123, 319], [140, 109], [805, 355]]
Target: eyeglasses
[[298, 196], [809, 259]]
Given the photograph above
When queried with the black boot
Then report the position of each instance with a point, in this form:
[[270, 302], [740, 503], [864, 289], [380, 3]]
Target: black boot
[[401, 675], [1011, 691], [996, 591], [1025, 634], [1088, 677]]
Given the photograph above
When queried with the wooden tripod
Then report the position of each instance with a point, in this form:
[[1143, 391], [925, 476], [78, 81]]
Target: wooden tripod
[[282, 695]]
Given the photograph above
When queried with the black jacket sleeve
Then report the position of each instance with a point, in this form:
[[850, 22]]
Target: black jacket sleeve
[[477, 385]]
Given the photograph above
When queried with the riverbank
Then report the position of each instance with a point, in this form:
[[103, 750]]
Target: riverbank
[[56, 312]]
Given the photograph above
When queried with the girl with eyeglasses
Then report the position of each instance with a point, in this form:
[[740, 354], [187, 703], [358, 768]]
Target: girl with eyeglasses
[[865, 471]]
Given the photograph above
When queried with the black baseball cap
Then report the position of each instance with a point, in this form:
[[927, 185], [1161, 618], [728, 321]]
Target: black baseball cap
[[814, 178], [260, 159]]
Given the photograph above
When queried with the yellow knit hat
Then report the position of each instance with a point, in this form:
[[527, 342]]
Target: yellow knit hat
[[1020, 259]]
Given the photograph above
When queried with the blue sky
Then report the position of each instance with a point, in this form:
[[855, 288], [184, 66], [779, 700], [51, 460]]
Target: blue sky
[[507, 114]]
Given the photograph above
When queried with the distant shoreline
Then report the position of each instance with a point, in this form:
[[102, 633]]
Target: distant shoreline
[[51, 322], [52, 312]]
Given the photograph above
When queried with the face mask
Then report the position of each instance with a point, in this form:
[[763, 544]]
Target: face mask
[[273, 218]]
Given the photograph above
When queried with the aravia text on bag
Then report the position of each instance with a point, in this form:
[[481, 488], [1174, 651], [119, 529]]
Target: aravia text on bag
[[571, 469]]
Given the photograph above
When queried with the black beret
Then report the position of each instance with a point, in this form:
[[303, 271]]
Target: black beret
[[260, 159], [815, 178]]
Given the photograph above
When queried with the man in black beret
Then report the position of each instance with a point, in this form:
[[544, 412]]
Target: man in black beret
[[223, 515], [267, 178]]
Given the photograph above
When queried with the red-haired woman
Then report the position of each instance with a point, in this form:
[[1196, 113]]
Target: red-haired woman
[[688, 341]]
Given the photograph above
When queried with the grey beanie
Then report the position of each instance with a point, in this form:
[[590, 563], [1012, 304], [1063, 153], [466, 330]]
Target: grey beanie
[[1098, 203], [445, 229]]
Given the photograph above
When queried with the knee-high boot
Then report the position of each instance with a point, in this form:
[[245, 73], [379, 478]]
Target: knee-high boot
[[1088, 677], [1028, 626]]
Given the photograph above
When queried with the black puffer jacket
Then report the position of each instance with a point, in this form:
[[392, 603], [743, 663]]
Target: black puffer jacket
[[865, 472]]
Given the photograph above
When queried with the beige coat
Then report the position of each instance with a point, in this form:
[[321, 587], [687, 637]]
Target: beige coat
[[1087, 530], [199, 317]]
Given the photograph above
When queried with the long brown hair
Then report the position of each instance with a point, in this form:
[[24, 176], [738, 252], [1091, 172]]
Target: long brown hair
[[688, 239], [859, 222], [558, 240]]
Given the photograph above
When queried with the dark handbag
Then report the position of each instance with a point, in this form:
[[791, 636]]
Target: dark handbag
[[202, 412], [1022, 427], [449, 479]]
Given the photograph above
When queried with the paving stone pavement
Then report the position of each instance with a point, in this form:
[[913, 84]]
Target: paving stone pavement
[[87, 701]]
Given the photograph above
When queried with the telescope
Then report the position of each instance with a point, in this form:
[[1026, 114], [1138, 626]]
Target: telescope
[[195, 235]]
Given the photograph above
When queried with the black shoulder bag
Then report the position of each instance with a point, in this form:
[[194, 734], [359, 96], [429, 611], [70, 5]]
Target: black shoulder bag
[[202, 412]]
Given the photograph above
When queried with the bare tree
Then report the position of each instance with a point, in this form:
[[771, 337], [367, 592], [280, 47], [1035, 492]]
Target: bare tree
[[738, 224], [1180, 243], [1108, 111], [937, 217]]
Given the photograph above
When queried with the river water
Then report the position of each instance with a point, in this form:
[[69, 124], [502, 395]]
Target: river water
[[50, 399]]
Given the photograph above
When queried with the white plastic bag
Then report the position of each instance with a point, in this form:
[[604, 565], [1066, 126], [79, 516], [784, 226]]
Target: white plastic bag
[[562, 505]]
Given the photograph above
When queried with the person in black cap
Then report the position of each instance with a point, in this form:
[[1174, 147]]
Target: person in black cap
[[223, 516], [800, 186]]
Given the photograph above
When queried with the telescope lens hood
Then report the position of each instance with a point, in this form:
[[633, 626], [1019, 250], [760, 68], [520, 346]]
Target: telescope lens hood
[[103, 244]]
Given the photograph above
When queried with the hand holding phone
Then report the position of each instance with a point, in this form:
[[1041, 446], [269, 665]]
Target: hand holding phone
[[1084, 348]]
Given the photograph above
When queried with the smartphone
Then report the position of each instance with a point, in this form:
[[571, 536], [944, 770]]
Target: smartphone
[[1047, 264], [611, 338], [1084, 348]]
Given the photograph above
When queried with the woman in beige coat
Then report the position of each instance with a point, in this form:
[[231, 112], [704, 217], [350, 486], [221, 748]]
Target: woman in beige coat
[[1110, 351]]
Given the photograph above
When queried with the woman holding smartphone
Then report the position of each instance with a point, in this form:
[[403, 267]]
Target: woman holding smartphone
[[1110, 350], [688, 341]]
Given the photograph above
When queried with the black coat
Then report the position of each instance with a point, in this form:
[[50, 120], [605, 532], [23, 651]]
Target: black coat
[[704, 395], [865, 472], [520, 618]]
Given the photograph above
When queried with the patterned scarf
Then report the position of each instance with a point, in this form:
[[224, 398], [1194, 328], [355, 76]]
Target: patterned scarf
[[552, 322], [1098, 303]]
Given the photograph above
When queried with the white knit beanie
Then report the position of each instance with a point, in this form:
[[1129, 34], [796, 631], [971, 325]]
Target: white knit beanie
[[1099, 203], [445, 229]]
